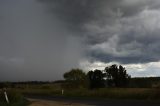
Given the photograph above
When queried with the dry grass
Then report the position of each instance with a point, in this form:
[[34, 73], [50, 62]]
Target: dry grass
[[39, 102], [109, 93]]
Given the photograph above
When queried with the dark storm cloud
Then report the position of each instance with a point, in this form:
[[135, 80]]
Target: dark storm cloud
[[72, 12], [77, 12], [35, 45], [125, 31], [129, 38], [42, 39]]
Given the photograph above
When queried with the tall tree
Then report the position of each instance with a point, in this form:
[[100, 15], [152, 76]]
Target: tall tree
[[75, 78], [96, 78], [117, 76], [75, 75]]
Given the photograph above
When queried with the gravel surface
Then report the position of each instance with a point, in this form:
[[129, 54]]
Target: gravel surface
[[73, 101], [40, 102]]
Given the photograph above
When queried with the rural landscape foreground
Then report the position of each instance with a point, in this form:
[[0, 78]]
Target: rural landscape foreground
[[79, 52], [111, 86]]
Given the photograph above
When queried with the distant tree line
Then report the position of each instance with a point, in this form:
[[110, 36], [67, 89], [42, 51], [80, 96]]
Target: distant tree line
[[13, 84], [145, 82], [112, 76]]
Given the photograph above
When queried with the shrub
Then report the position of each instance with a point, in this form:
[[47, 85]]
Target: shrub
[[15, 99]]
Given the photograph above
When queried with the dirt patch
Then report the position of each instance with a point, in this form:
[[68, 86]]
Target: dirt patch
[[39, 102]]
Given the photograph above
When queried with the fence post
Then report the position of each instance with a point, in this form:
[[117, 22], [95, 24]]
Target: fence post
[[62, 91], [6, 97]]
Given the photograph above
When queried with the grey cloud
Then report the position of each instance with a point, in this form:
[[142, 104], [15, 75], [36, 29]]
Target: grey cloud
[[75, 13], [49, 37], [34, 44], [72, 12], [137, 35]]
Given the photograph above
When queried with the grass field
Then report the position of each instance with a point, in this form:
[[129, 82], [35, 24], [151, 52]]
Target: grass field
[[15, 99], [19, 103], [108, 93]]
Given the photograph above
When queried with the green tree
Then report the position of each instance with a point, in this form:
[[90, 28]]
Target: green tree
[[117, 76], [76, 77], [96, 79]]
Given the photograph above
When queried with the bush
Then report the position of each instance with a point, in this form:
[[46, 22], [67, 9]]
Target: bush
[[156, 85], [15, 99]]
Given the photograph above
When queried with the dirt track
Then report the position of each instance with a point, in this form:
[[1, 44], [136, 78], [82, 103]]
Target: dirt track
[[40, 102], [73, 101]]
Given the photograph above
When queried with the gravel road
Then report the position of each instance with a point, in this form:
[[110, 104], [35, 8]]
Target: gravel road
[[74, 101], [40, 102]]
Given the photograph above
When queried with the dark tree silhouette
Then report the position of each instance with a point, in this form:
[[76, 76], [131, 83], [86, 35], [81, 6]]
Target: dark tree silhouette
[[76, 78], [75, 75], [117, 76], [90, 75], [96, 79]]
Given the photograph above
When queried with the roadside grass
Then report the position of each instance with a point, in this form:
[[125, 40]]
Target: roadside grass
[[118, 93], [106, 93], [15, 99]]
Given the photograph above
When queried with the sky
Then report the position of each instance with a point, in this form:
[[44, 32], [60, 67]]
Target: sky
[[42, 39]]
